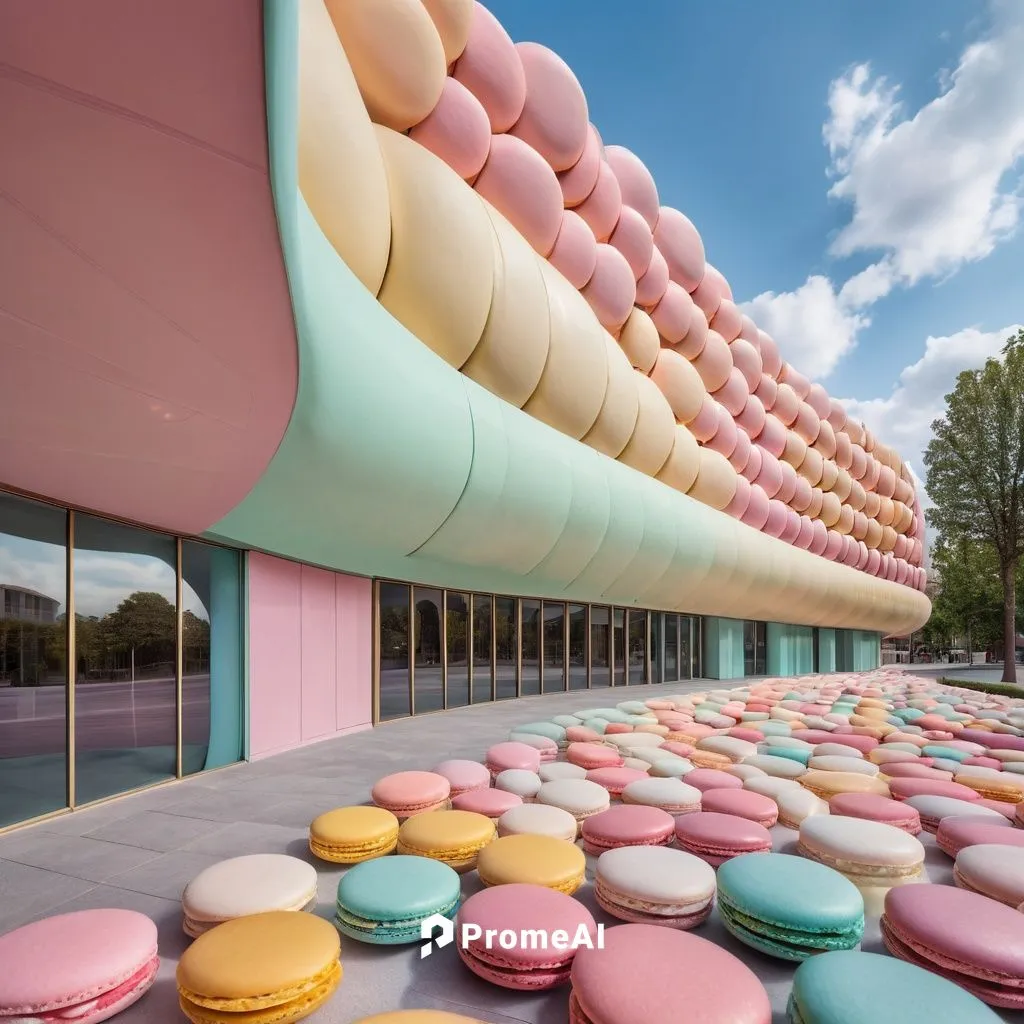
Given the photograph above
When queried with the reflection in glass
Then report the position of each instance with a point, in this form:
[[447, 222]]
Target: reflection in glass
[[531, 648], [482, 680], [457, 651], [393, 627], [211, 657], [33, 650], [554, 647], [748, 648], [600, 643], [506, 641], [428, 687], [577, 647], [657, 648], [672, 648], [619, 646], [125, 583], [638, 648], [761, 649]]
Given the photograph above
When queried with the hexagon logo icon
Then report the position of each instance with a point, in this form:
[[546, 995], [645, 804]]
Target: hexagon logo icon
[[427, 927]]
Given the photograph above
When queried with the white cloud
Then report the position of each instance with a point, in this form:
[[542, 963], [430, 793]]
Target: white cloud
[[904, 418]]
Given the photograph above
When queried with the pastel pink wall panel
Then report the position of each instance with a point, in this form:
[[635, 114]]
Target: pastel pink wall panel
[[319, 653], [275, 654], [310, 650]]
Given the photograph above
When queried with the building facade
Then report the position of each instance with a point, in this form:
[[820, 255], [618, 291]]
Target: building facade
[[376, 386]]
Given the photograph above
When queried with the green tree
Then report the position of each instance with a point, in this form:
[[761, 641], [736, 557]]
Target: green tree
[[970, 597], [975, 464]]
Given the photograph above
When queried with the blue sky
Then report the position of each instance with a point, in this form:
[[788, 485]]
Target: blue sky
[[748, 114]]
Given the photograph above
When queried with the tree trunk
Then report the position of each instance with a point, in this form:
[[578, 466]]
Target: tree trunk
[[1010, 621]]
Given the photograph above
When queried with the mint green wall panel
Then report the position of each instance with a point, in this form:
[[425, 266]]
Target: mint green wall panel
[[826, 650], [790, 649], [723, 648], [866, 650]]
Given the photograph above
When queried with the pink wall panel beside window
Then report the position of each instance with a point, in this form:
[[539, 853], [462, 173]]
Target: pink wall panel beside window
[[310, 654]]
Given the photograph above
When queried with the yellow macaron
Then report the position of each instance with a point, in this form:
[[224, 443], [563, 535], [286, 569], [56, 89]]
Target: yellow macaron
[[1008, 791], [453, 837], [272, 968], [350, 835], [534, 860]]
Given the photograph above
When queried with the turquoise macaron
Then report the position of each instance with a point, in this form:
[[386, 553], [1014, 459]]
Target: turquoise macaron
[[850, 987], [789, 907], [383, 901]]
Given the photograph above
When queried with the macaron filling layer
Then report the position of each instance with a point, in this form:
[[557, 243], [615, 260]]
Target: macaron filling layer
[[511, 973], [91, 1007], [195, 926], [631, 908], [458, 857], [857, 870], [395, 932], [352, 853]]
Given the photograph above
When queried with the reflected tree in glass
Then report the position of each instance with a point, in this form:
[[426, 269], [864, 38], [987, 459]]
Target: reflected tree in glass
[[428, 688], [457, 650], [577, 647], [394, 646], [482, 681], [506, 641]]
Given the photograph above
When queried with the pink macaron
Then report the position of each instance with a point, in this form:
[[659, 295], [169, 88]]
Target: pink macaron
[[505, 756], [717, 837], [491, 802], [627, 825], [593, 755], [706, 779], [904, 789], [743, 803], [615, 780], [463, 775], [871, 807], [85, 966], [916, 770], [519, 910], [409, 793], [956, 834]]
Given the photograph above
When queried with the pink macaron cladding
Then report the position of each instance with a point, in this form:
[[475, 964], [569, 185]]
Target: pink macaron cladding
[[503, 756], [67, 960], [706, 779], [956, 834], [615, 780], [627, 825], [593, 755], [904, 789], [871, 807], [742, 803], [491, 802], [464, 776], [518, 908], [407, 793], [716, 837]]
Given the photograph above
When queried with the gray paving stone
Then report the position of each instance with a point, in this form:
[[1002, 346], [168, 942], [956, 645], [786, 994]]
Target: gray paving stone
[[165, 875], [153, 830], [76, 856]]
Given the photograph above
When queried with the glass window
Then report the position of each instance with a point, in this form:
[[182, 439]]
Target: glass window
[[427, 682], [600, 644], [638, 672], [761, 649], [481, 661], [748, 648], [393, 699], [212, 704], [554, 647], [506, 642], [457, 670], [531, 648], [672, 648], [686, 634], [619, 646], [125, 584], [577, 647], [33, 652], [657, 647]]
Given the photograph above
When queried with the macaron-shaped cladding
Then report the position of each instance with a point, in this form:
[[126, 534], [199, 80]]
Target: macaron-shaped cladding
[[651, 287], [540, 820], [712, 291], [903, 789], [957, 833], [742, 803], [654, 885], [490, 67], [397, 57], [383, 901], [520, 781], [970, 939], [247, 885], [84, 966], [741, 452], [870, 853], [654, 435], [632, 237], [869, 807], [680, 243], [277, 967], [789, 907], [751, 418], [747, 360], [601, 209], [855, 987], [770, 355], [675, 377], [673, 315], [627, 825], [716, 836], [767, 391], [578, 181], [518, 182], [554, 119], [444, 302], [593, 755], [636, 182], [737, 508], [696, 336], [714, 364], [617, 420], [607, 983], [456, 130], [523, 910], [733, 393], [492, 803], [533, 860], [934, 808], [611, 288], [668, 794], [348, 835], [992, 870], [561, 770], [580, 797], [464, 775], [615, 780], [503, 756], [716, 480], [773, 436], [723, 440], [574, 254], [453, 20]]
